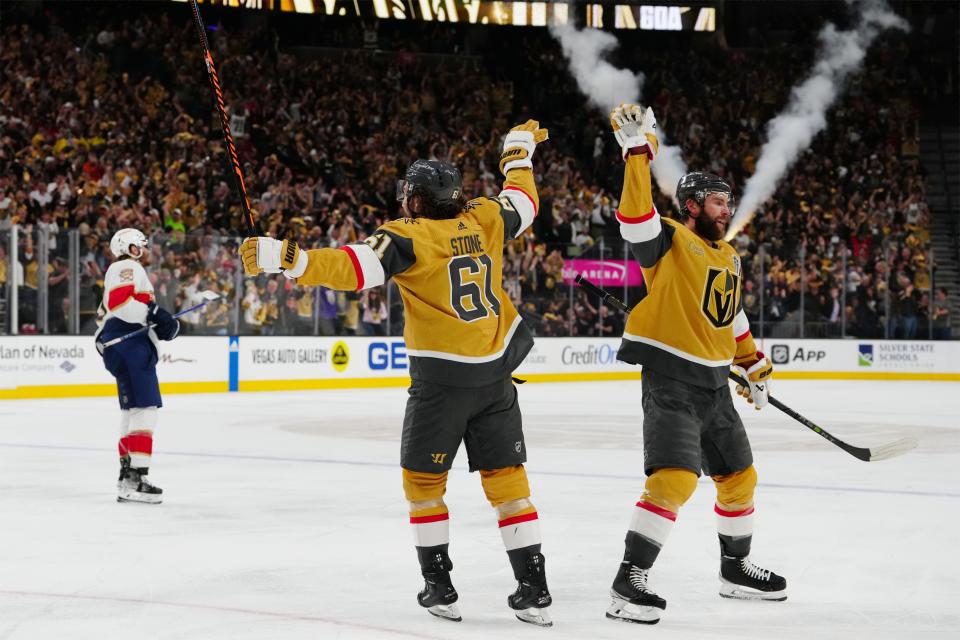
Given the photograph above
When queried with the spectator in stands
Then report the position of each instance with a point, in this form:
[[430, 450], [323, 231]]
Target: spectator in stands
[[942, 329]]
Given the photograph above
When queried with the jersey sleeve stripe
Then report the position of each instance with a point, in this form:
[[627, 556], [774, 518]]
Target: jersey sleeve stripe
[[532, 201], [369, 270], [743, 336], [356, 265], [644, 218], [640, 229], [120, 295]]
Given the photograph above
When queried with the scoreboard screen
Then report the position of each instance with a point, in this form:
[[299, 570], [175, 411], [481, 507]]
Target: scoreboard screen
[[700, 16]]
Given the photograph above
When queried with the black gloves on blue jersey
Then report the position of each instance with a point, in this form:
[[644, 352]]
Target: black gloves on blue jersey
[[167, 326]]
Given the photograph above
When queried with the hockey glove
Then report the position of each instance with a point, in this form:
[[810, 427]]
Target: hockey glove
[[167, 327], [266, 255], [758, 376], [519, 144], [631, 126]]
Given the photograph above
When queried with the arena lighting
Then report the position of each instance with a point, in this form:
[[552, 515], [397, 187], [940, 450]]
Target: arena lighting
[[625, 16]]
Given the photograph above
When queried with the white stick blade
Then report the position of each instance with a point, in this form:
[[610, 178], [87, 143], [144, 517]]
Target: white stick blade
[[209, 295], [893, 449]]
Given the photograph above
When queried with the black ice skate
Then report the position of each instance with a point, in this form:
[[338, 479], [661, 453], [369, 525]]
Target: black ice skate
[[532, 598], [133, 486], [438, 595], [740, 578], [633, 601]]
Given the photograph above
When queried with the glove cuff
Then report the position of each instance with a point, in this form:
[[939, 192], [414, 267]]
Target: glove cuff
[[521, 163], [637, 145], [299, 268], [759, 364]]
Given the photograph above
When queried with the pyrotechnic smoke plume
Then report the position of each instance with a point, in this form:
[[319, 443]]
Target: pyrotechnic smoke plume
[[792, 131], [605, 86]]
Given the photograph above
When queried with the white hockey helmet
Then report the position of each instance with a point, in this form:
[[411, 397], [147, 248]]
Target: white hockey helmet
[[121, 241]]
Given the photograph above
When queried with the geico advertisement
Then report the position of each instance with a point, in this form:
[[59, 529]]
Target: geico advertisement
[[565, 355], [864, 355], [72, 360], [266, 358]]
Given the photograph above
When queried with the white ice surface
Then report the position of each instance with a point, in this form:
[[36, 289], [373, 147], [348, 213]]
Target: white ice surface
[[284, 518]]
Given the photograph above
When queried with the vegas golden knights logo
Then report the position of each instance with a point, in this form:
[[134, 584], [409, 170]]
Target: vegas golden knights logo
[[721, 294], [438, 458]]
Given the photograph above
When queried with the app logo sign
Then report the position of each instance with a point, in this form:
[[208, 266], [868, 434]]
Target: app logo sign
[[383, 355], [866, 355], [780, 354]]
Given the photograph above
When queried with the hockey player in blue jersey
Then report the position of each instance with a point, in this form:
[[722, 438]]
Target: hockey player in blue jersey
[[129, 304]]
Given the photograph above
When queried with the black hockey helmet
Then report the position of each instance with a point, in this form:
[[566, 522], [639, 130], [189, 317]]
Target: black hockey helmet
[[696, 185], [439, 182]]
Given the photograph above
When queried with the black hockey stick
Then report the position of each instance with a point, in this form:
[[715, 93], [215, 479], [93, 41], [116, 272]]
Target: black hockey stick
[[252, 227], [860, 453]]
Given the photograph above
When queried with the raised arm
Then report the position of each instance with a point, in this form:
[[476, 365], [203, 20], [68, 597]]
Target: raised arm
[[519, 200], [353, 267], [640, 224]]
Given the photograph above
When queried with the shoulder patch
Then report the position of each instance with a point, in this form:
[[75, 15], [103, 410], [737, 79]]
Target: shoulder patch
[[126, 275]]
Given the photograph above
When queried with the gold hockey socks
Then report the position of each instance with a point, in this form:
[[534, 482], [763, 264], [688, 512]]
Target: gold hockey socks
[[655, 513], [734, 509], [428, 513], [509, 493]]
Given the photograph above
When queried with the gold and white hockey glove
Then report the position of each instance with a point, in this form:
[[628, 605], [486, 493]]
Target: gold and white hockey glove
[[631, 125], [519, 144], [758, 377], [267, 255]]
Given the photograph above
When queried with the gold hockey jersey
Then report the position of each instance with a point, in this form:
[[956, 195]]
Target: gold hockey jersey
[[460, 327], [690, 323]]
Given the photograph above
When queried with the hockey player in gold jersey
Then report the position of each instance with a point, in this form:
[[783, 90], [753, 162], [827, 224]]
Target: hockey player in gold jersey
[[464, 338], [686, 332]]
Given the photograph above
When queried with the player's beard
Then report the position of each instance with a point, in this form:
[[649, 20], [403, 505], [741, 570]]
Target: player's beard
[[712, 230]]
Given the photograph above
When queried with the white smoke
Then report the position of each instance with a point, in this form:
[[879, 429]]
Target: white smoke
[[668, 167], [605, 86], [792, 131]]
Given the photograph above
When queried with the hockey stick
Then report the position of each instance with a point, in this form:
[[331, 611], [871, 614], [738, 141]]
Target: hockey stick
[[209, 296], [252, 227], [872, 454]]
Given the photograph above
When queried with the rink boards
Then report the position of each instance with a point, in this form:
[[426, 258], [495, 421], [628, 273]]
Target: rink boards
[[69, 366]]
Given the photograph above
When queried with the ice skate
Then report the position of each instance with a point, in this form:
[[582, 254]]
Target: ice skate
[[633, 601], [438, 595], [531, 599], [741, 579], [133, 486]]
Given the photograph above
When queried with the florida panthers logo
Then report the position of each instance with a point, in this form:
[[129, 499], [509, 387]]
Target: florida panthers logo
[[721, 294]]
